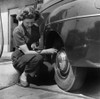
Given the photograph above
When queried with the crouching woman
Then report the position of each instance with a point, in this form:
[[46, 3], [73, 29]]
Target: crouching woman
[[26, 37]]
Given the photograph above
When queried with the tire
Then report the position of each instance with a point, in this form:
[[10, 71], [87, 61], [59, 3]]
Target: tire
[[80, 75], [67, 77]]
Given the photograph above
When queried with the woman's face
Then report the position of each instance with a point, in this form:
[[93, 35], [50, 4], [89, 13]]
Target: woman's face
[[28, 22]]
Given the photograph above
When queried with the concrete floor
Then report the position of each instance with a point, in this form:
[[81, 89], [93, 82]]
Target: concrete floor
[[91, 88], [50, 92]]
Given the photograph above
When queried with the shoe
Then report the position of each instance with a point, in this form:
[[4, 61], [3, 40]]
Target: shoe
[[23, 80]]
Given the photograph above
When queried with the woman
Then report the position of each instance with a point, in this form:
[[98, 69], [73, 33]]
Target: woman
[[26, 38]]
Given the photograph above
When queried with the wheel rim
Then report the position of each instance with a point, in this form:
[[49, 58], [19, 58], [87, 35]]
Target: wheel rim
[[62, 64], [64, 75]]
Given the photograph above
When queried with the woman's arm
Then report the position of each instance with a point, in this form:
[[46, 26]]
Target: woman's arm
[[48, 51], [25, 50]]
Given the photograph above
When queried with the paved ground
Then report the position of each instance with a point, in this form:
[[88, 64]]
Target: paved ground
[[16, 92], [8, 78]]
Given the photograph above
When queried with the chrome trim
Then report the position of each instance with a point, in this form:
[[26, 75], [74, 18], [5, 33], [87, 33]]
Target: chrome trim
[[72, 18]]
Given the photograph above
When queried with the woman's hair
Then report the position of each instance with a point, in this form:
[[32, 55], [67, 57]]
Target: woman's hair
[[28, 13]]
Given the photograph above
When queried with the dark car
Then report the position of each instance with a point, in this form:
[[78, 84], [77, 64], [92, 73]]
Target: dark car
[[72, 27]]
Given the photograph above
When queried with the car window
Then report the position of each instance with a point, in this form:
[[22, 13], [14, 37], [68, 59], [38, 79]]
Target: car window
[[49, 3]]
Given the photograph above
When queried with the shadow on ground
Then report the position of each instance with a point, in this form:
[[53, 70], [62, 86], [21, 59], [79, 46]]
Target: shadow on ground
[[4, 59]]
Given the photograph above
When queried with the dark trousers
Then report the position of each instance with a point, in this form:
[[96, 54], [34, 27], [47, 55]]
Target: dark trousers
[[28, 63], [34, 64]]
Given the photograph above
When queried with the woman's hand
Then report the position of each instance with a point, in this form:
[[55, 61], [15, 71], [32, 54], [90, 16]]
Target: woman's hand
[[34, 46]]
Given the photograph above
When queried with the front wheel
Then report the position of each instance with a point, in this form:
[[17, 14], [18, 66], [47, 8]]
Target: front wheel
[[66, 76]]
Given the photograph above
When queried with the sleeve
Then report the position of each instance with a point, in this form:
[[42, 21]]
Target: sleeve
[[18, 38]]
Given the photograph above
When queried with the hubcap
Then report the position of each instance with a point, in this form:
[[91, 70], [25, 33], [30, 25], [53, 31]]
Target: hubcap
[[62, 63]]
